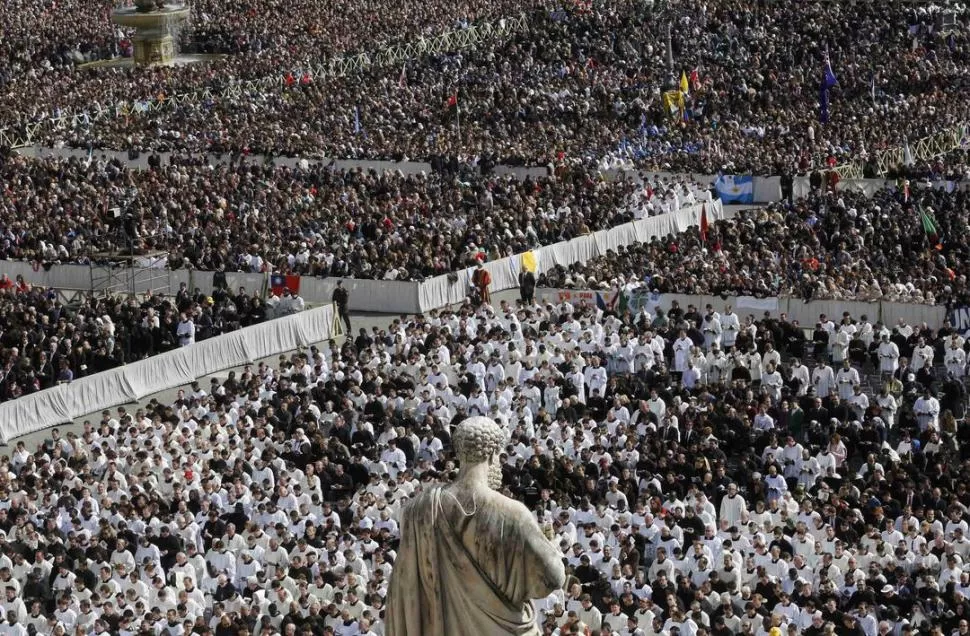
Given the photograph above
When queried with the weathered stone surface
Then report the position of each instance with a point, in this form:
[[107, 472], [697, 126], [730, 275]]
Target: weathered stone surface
[[470, 559]]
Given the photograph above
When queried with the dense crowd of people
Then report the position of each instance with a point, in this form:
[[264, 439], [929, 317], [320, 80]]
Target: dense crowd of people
[[702, 473], [740, 484], [46, 340], [584, 81], [830, 245], [56, 38], [308, 219]]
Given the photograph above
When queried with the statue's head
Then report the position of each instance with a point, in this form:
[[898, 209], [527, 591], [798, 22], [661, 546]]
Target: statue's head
[[478, 440]]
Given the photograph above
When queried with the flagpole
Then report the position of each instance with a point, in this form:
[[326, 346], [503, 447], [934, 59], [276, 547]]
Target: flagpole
[[670, 47], [458, 114]]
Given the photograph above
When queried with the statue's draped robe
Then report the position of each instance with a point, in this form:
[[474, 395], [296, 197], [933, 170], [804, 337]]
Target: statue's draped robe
[[454, 577]]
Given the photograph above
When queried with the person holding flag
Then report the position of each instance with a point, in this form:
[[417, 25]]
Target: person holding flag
[[684, 94], [452, 103], [931, 229], [704, 225]]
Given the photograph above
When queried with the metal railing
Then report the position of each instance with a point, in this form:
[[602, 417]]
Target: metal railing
[[923, 149], [849, 171], [459, 39]]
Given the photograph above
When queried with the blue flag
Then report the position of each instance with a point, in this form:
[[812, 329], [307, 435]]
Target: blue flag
[[828, 81], [735, 188], [356, 120], [823, 105]]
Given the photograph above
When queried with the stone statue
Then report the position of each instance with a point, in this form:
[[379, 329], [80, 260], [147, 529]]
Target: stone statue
[[470, 558]]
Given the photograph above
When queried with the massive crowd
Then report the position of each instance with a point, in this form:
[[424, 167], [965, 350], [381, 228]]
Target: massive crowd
[[732, 484], [830, 245], [702, 473], [308, 219], [46, 340], [581, 83]]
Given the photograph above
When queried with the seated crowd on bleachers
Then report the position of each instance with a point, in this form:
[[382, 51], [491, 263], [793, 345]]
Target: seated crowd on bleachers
[[738, 480]]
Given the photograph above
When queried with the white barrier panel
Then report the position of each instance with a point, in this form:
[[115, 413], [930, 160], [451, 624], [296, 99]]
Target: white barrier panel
[[807, 314], [141, 161], [389, 296], [521, 172], [932, 315], [444, 290], [802, 188], [60, 276], [132, 382], [767, 189]]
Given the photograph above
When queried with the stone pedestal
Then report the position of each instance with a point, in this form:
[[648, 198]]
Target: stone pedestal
[[151, 49], [153, 42]]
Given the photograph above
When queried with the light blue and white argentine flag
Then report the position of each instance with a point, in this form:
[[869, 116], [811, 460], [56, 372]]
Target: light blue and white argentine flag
[[735, 189]]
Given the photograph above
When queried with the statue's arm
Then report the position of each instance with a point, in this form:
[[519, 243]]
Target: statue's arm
[[547, 573]]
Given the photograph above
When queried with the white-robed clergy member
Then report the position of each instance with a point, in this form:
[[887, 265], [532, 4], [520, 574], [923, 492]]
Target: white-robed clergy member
[[471, 560]]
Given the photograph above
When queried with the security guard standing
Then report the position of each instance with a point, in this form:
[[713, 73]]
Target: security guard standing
[[340, 298]]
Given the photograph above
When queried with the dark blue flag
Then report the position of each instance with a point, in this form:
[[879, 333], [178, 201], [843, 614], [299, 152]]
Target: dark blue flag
[[823, 105], [828, 81]]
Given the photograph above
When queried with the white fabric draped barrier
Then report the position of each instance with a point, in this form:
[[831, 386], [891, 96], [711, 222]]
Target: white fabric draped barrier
[[807, 314], [870, 186], [445, 290], [365, 295], [167, 370], [132, 382], [82, 277]]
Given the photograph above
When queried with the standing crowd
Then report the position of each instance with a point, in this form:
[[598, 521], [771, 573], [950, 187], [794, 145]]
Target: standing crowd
[[743, 480], [310, 219], [582, 83], [46, 340], [829, 245]]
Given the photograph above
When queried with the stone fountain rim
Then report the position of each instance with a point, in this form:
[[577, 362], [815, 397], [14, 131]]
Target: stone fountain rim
[[166, 9]]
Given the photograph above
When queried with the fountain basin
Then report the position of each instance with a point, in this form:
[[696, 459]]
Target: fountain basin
[[152, 42]]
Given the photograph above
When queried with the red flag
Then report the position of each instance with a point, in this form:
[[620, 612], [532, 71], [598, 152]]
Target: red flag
[[452, 101], [704, 225], [280, 282], [289, 79], [695, 79]]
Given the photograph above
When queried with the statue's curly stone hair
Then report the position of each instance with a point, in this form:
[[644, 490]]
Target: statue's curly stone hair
[[478, 438]]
